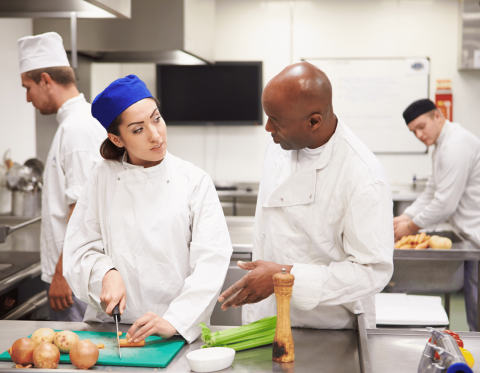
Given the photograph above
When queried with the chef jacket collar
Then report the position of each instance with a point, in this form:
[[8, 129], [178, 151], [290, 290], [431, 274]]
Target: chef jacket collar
[[326, 155], [299, 188], [160, 169], [68, 106], [129, 166], [444, 132]]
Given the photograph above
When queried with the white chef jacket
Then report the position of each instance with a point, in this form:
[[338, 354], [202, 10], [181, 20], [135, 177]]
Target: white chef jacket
[[163, 229], [333, 221], [453, 188], [74, 152]]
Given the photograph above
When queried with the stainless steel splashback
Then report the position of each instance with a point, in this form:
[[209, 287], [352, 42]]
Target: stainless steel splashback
[[469, 54]]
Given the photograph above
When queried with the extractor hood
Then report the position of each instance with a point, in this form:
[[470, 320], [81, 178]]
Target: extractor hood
[[469, 56], [159, 31], [63, 8]]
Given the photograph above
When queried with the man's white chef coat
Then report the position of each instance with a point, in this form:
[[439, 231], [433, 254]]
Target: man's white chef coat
[[453, 188], [74, 152], [163, 229], [333, 221]]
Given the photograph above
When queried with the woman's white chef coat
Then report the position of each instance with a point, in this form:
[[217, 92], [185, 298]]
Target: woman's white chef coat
[[453, 188], [163, 229], [332, 220], [71, 159]]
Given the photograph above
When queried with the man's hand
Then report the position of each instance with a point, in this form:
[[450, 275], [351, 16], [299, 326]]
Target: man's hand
[[254, 286], [113, 292], [149, 324], [399, 219], [60, 294], [405, 229]]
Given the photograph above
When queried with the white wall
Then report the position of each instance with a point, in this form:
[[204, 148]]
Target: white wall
[[252, 30], [260, 30], [17, 123]]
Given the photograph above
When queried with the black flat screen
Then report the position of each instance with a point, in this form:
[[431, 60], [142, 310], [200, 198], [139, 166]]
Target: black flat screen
[[224, 93]]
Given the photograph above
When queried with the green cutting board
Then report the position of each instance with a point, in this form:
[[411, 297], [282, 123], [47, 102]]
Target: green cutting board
[[157, 352]]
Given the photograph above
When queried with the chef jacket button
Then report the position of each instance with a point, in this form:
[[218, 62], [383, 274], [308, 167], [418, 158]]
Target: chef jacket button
[[281, 199], [118, 178], [168, 181], [310, 196], [296, 225]]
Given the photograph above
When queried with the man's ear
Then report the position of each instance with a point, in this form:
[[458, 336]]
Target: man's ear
[[116, 140], [46, 79], [315, 121]]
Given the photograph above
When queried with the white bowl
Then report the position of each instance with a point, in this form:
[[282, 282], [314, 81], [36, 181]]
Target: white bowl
[[210, 359]]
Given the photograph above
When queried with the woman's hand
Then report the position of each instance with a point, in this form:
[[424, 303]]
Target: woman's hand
[[113, 291], [150, 324]]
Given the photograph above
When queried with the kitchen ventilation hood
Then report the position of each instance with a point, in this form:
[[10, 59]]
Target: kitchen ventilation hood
[[63, 8], [159, 31], [469, 56]]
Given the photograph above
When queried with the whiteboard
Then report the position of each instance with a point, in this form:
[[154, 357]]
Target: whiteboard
[[370, 95]]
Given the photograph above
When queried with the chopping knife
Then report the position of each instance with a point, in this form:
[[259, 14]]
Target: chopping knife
[[116, 317]]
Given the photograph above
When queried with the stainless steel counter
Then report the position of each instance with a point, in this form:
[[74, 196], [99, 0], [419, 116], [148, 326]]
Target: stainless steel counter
[[315, 350], [340, 351], [400, 350]]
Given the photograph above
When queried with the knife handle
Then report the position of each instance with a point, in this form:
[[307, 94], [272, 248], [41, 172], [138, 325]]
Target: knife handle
[[116, 313]]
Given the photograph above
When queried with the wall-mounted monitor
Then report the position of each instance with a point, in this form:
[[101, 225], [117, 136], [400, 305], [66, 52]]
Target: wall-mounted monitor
[[226, 93]]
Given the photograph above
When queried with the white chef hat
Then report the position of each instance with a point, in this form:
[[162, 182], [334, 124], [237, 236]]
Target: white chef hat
[[40, 51]]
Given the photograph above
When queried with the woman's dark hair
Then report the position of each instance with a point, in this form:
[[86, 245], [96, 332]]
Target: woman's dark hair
[[110, 151]]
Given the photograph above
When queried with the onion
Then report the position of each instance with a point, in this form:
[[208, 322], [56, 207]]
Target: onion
[[84, 354], [64, 340], [46, 355], [43, 335], [21, 351]]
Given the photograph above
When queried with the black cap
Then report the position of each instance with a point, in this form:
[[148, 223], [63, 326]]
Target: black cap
[[418, 108]]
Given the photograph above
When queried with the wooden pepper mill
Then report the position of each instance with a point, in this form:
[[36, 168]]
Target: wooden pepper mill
[[283, 351]]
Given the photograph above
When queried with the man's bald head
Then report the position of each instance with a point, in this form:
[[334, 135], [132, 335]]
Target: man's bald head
[[298, 102]]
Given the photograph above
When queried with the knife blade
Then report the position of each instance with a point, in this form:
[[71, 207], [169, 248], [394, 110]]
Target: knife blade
[[116, 317]]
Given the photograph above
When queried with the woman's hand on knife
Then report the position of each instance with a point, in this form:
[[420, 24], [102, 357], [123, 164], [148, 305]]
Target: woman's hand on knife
[[149, 324], [113, 292]]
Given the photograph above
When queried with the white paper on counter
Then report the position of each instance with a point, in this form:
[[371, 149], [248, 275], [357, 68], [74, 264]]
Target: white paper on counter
[[476, 59], [403, 309]]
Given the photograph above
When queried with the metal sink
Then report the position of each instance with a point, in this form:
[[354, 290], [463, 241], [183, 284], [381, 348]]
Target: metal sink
[[14, 261], [25, 239], [5, 266]]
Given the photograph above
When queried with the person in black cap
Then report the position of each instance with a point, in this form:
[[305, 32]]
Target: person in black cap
[[453, 190]]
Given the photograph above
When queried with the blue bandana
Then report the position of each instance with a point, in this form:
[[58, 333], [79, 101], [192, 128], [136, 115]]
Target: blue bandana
[[117, 97]]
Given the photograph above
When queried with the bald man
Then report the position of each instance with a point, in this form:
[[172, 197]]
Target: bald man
[[324, 212]]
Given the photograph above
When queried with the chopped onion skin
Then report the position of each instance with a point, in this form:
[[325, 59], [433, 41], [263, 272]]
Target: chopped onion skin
[[84, 354], [100, 346], [21, 351], [43, 335], [46, 356], [64, 340]]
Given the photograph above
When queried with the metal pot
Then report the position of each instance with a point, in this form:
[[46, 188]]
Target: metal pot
[[27, 204]]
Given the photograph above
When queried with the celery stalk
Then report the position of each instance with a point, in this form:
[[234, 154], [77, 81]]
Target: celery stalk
[[258, 333], [240, 333], [221, 341], [255, 342]]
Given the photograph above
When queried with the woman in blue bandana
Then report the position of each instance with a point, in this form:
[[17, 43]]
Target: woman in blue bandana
[[149, 232]]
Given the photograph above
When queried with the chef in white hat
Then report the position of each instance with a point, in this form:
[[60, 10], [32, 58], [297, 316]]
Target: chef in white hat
[[50, 83]]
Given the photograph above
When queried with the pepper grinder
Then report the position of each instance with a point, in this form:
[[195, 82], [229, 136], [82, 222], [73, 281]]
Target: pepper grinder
[[283, 351]]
